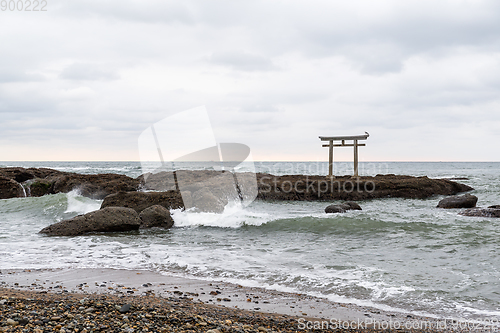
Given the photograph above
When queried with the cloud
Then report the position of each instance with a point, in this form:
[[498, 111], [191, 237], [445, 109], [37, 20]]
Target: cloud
[[242, 61], [273, 75], [9, 75], [88, 72]]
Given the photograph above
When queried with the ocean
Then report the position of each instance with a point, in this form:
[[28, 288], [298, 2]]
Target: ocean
[[396, 254]]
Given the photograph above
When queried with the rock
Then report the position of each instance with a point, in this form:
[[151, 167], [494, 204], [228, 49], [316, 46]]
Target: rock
[[156, 216], [481, 212], [463, 201], [205, 201], [9, 188], [495, 206], [204, 190], [345, 188], [94, 186], [12, 322], [353, 205], [158, 181], [125, 308], [342, 208], [109, 219], [142, 200], [48, 181], [18, 174], [38, 187]]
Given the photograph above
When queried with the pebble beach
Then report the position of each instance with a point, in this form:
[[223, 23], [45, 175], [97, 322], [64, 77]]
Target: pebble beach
[[52, 300]]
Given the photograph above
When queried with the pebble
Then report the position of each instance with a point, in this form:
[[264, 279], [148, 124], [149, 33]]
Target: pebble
[[125, 308], [12, 322], [61, 313]]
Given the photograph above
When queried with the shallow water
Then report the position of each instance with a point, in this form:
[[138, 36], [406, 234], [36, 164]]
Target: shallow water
[[395, 253]]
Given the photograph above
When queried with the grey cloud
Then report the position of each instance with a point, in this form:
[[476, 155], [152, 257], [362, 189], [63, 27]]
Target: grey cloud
[[13, 75], [139, 11], [260, 108], [90, 72], [242, 61]]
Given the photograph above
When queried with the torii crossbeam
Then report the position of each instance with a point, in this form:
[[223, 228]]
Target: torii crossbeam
[[343, 139]]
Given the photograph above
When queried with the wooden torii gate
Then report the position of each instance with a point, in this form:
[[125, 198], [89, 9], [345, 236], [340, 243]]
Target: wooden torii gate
[[343, 139]]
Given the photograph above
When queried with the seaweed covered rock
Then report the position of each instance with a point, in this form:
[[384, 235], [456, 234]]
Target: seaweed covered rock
[[458, 201], [481, 212], [110, 219], [342, 208], [142, 200], [9, 188], [156, 216]]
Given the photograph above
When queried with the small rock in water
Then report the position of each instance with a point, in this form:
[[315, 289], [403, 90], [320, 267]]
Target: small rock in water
[[463, 201], [125, 308], [481, 212], [342, 208]]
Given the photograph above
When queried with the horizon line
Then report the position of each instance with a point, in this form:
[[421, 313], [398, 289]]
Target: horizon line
[[277, 161]]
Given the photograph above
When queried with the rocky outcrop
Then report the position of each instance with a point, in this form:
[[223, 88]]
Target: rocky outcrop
[[204, 190], [94, 186], [142, 200], [110, 219], [463, 201], [309, 188], [481, 212], [495, 206], [226, 186], [342, 208], [21, 175], [156, 216], [42, 181], [10, 188]]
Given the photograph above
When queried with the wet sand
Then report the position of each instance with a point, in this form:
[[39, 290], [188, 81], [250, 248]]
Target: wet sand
[[225, 307]]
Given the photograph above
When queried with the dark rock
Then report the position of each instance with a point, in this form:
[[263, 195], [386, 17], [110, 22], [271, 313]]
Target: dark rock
[[342, 208], [38, 187], [18, 174], [94, 186], [226, 186], [495, 206], [321, 188], [463, 201], [49, 181], [353, 205], [142, 200], [481, 212], [156, 216], [125, 308], [23, 321], [110, 219], [9, 188]]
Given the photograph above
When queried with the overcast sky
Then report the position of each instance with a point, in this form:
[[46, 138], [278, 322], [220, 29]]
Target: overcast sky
[[83, 79]]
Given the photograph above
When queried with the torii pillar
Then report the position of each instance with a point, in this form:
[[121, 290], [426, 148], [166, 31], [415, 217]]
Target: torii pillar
[[343, 139]]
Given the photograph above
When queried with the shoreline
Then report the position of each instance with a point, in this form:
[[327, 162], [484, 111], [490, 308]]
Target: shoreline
[[295, 310]]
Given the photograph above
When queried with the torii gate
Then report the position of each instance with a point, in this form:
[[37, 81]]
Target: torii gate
[[343, 139]]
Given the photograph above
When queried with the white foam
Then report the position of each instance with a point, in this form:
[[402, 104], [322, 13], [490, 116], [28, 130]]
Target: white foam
[[79, 204], [233, 216]]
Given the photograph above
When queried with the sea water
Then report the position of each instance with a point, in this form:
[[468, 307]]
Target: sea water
[[399, 254]]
